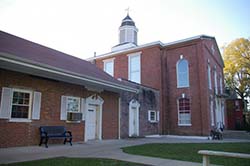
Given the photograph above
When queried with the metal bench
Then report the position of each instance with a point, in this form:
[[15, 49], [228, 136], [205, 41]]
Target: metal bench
[[54, 132], [207, 153]]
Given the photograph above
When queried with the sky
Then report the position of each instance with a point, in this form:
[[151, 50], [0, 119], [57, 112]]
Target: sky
[[82, 27]]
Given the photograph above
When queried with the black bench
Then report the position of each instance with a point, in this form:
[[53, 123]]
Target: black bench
[[58, 132]]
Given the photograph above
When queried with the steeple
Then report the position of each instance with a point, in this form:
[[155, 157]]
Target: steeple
[[128, 31], [127, 34]]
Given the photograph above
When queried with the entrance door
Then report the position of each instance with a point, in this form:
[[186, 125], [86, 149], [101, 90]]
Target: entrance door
[[91, 126], [133, 121]]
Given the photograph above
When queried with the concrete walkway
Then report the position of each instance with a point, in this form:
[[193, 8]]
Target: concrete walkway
[[100, 149]]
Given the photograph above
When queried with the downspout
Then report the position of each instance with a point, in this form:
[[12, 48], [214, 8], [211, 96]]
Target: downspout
[[119, 118]]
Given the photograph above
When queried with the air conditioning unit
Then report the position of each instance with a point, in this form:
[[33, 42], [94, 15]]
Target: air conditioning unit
[[74, 116]]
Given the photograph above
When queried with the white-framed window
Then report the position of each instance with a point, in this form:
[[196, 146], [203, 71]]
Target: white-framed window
[[184, 112], [212, 111], [72, 109], [215, 81], [209, 76], [134, 67], [182, 73], [73, 104], [20, 105], [153, 116], [108, 66], [221, 85]]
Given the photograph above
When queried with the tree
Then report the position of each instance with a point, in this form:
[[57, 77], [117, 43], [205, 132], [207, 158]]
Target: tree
[[237, 67]]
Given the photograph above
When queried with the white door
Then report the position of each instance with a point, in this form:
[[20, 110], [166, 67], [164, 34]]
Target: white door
[[134, 121], [91, 120]]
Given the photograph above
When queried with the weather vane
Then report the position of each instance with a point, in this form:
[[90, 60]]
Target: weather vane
[[127, 10]]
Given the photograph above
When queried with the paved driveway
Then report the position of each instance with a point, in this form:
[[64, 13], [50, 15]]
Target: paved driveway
[[98, 149]]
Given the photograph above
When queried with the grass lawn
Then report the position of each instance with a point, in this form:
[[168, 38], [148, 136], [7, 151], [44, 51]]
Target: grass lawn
[[62, 161], [188, 152]]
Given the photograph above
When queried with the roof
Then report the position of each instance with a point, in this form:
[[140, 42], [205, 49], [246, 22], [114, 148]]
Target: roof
[[156, 43], [128, 21], [15, 49]]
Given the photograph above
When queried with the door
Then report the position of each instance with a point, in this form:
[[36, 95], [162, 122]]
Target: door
[[134, 121], [91, 120]]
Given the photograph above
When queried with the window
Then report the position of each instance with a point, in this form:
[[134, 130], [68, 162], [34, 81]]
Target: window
[[108, 66], [182, 73], [237, 105], [73, 104], [134, 68], [21, 104], [221, 85], [153, 116], [212, 111], [215, 82], [71, 109], [209, 76], [184, 113]]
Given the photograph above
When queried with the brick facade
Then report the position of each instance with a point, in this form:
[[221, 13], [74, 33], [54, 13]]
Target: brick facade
[[27, 133], [158, 70]]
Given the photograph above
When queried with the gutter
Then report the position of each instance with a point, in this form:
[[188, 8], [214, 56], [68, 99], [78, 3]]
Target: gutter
[[50, 69]]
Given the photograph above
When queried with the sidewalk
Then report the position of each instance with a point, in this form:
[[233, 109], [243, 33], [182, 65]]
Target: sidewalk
[[97, 149]]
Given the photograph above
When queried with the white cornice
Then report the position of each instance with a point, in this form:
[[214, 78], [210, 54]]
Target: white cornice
[[148, 45]]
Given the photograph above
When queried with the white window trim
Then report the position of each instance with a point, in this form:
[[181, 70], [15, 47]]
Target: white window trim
[[30, 105], [177, 73], [129, 62], [156, 118], [108, 61], [180, 124]]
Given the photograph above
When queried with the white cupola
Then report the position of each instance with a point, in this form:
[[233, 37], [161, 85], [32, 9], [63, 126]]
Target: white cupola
[[127, 34]]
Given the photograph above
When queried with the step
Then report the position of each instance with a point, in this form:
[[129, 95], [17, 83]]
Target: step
[[236, 134]]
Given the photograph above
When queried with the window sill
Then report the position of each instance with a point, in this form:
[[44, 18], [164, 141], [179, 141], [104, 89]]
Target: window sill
[[187, 125], [153, 121], [78, 121], [20, 120]]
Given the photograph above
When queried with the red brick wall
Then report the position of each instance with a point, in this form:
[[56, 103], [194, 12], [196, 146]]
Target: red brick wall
[[233, 115], [23, 134], [171, 57], [150, 66]]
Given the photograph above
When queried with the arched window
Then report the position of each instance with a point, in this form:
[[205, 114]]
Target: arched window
[[182, 73], [184, 112]]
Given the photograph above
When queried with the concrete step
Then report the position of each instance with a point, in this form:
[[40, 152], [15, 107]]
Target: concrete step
[[235, 134]]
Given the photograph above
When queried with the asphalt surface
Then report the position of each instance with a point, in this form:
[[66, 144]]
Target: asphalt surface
[[102, 149]]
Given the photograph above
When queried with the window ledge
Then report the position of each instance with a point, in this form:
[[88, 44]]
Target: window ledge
[[188, 125], [20, 120], [153, 121]]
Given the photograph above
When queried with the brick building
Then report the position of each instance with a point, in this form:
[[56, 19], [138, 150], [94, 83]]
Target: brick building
[[234, 111], [40, 86], [187, 73]]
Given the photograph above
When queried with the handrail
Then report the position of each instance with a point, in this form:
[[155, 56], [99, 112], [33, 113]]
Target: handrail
[[207, 153]]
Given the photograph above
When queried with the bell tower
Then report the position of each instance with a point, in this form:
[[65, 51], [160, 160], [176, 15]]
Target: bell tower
[[127, 34], [128, 31]]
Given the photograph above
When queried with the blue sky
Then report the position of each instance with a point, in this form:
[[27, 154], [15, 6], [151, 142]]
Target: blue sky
[[81, 28]]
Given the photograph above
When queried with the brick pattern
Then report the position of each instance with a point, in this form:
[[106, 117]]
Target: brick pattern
[[158, 70], [23, 133]]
